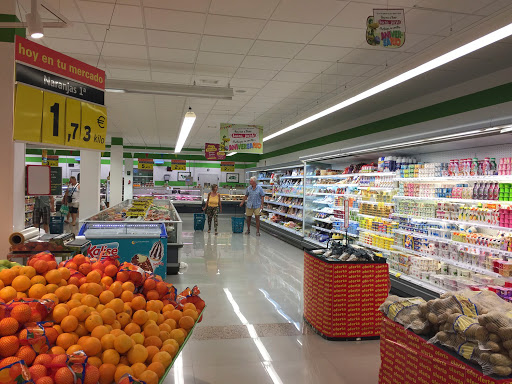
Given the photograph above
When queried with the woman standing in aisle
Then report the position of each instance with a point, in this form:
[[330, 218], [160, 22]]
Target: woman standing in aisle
[[73, 199], [213, 207]]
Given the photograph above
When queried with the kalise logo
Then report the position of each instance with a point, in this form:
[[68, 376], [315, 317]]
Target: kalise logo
[[110, 249]]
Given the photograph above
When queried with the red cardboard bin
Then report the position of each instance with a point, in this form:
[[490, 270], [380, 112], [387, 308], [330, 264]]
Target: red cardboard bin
[[342, 299], [407, 358]]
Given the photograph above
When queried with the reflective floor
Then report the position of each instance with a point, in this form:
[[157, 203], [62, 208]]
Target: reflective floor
[[253, 330]]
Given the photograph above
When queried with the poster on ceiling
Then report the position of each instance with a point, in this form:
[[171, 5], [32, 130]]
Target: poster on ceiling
[[241, 138], [386, 28], [212, 152]]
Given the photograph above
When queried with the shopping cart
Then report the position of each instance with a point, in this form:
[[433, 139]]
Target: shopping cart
[[199, 219], [56, 224]]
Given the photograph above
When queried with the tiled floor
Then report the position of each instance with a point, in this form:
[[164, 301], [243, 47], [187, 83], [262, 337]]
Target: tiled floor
[[253, 330]]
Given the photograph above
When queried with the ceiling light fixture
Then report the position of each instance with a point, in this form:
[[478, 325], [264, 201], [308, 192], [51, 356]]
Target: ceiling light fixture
[[34, 23], [505, 129], [464, 50], [186, 127]]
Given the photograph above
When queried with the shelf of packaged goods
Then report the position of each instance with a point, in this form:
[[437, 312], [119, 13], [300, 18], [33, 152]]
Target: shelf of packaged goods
[[264, 178], [323, 220], [453, 242], [449, 199], [321, 229], [285, 204], [376, 203], [332, 185], [316, 242], [436, 220], [283, 227], [374, 217], [291, 177], [364, 188], [376, 232], [449, 261], [283, 214], [266, 186], [343, 176], [326, 202], [455, 179], [334, 231], [289, 195], [420, 283], [374, 248], [320, 211], [334, 194]]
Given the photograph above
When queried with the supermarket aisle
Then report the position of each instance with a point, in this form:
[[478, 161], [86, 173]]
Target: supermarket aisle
[[253, 330]]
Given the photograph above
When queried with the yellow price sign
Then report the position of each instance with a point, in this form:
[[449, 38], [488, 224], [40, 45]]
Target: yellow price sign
[[54, 113], [73, 119], [148, 166], [94, 126], [28, 113], [179, 165], [227, 166]]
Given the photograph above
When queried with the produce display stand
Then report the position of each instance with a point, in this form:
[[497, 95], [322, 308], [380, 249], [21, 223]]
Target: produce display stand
[[408, 358], [342, 299]]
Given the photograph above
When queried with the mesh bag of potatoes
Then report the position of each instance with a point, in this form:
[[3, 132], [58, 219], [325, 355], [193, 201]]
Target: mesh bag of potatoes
[[405, 311]]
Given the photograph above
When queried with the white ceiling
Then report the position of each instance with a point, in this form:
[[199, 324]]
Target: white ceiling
[[280, 56]]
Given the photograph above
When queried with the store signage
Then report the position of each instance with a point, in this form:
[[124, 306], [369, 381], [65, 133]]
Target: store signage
[[241, 138], [56, 181], [178, 165], [212, 152], [386, 28], [51, 160], [145, 164], [54, 99], [227, 166]]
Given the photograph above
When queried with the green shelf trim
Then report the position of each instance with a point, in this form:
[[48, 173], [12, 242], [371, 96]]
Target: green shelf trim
[[116, 141], [7, 35]]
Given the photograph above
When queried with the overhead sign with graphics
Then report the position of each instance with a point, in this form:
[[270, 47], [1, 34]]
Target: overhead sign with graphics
[[178, 165], [51, 160], [227, 166], [241, 138], [145, 164], [59, 100], [212, 152], [386, 28]]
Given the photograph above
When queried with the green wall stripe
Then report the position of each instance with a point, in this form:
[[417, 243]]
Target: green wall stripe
[[7, 34], [492, 96], [116, 141]]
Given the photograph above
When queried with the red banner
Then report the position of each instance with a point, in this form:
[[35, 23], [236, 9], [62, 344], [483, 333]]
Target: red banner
[[211, 152], [47, 59]]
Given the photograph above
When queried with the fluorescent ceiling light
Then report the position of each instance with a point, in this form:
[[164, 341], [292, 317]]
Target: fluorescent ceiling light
[[188, 122], [506, 129], [232, 153], [34, 23], [148, 88], [423, 68]]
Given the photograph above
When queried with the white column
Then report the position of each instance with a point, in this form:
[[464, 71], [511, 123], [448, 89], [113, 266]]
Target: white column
[[18, 184], [116, 171], [90, 177], [128, 179]]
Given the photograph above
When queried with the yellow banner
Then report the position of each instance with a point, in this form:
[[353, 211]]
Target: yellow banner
[[28, 113], [227, 166], [179, 165]]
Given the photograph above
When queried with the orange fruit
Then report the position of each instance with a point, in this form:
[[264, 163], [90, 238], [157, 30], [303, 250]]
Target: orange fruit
[[107, 341], [63, 293], [140, 317], [138, 338], [161, 319], [158, 368], [127, 296], [192, 313], [132, 328], [45, 380], [106, 281], [26, 353], [84, 269], [123, 318], [58, 328], [151, 330], [92, 322], [117, 332], [38, 279], [172, 342], [40, 266], [73, 288], [21, 283], [81, 330], [124, 361], [138, 368], [153, 340], [162, 357], [116, 325], [37, 371], [73, 304], [165, 327], [9, 345], [52, 297], [152, 316], [155, 306], [28, 271], [149, 377], [178, 335], [51, 288], [60, 312], [108, 315], [95, 361], [117, 305], [128, 309], [90, 301], [189, 306], [106, 297], [152, 351], [59, 360], [137, 354], [8, 326], [73, 349], [171, 323], [7, 293], [91, 346], [168, 307], [187, 322], [107, 373], [37, 291], [99, 332], [65, 340], [64, 375], [69, 323], [152, 295], [170, 349], [123, 343], [92, 375], [116, 288], [138, 302], [43, 359], [65, 273], [7, 276], [122, 370], [53, 276], [57, 351], [21, 295], [164, 335], [110, 356], [128, 286], [22, 313], [99, 308], [51, 334], [93, 277], [176, 315]]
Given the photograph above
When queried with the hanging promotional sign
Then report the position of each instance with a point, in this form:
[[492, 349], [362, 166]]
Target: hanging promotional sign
[[212, 152], [178, 165], [51, 160], [145, 164], [227, 166], [59, 100], [386, 28], [241, 138]]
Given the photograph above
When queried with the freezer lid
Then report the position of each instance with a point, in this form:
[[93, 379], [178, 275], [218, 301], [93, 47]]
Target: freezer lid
[[125, 229]]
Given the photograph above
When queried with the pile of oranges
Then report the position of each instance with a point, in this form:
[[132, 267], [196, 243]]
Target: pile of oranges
[[123, 324]]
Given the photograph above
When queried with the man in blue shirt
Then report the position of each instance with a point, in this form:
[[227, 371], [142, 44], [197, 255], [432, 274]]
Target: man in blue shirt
[[254, 195]]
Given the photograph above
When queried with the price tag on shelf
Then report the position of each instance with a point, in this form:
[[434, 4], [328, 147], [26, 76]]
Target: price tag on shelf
[[398, 274]]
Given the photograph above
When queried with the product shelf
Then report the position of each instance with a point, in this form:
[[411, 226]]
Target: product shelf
[[320, 211], [373, 247], [332, 185], [291, 177], [289, 195], [376, 203], [450, 199], [449, 261], [281, 226], [376, 232], [264, 178], [321, 229], [283, 214], [362, 187], [316, 242], [507, 178], [343, 176], [322, 220], [285, 205], [420, 283], [374, 217]]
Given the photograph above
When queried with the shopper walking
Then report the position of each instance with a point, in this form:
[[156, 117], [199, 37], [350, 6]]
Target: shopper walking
[[254, 195], [213, 207], [41, 215], [72, 199]]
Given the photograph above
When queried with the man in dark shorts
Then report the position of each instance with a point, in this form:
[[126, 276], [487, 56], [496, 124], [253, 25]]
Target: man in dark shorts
[[42, 207]]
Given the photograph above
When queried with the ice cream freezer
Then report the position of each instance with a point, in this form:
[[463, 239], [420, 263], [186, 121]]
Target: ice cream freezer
[[152, 241]]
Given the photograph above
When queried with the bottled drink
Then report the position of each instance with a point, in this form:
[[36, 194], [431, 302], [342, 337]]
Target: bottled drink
[[492, 166], [475, 191], [480, 195]]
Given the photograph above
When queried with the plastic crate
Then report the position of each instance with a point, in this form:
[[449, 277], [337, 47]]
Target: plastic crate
[[56, 224], [237, 224], [199, 219]]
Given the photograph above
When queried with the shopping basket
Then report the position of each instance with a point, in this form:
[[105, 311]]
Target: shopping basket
[[237, 224], [56, 224], [199, 220]]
